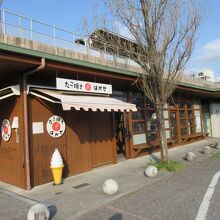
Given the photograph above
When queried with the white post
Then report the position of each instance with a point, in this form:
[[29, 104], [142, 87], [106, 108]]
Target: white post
[[3, 21], [31, 27], [54, 36], [19, 27]]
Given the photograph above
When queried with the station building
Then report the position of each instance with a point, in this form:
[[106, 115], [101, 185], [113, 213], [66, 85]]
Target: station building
[[87, 106]]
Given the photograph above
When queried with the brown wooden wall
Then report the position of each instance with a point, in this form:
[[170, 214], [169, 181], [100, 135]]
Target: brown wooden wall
[[86, 144], [12, 159], [42, 145]]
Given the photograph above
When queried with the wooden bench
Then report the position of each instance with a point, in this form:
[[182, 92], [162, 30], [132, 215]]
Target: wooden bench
[[141, 146], [192, 137]]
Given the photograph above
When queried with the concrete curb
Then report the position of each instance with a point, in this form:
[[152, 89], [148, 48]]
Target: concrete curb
[[21, 198]]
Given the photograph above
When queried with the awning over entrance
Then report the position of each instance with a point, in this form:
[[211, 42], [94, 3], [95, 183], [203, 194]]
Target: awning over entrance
[[78, 102], [9, 91]]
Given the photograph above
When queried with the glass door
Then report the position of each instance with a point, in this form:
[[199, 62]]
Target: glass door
[[120, 135], [173, 125]]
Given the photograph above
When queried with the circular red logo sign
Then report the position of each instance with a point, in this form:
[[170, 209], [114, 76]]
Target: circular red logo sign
[[88, 87], [56, 126], [5, 129]]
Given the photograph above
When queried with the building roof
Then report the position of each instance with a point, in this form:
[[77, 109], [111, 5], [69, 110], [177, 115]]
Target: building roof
[[118, 44]]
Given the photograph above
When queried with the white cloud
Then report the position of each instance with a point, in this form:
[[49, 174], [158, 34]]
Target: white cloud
[[212, 46], [210, 52]]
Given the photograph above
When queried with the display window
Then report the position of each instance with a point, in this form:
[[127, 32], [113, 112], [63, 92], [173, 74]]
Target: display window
[[182, 119]]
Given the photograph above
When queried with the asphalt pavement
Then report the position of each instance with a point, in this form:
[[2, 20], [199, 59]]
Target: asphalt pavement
[[175, 197], [12, 209]]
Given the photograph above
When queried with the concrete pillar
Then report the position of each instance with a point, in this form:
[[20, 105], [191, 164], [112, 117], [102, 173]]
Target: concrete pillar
[[215, 119]]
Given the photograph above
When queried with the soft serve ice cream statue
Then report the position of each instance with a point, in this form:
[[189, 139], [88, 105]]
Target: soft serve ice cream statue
[[56, 160], [57, 167]]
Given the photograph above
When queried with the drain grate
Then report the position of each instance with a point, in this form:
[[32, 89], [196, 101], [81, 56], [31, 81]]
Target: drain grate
[[81, 185], [57, 193]]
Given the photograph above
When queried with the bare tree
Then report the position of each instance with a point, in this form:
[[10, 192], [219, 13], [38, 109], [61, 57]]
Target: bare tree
[[163, 36]]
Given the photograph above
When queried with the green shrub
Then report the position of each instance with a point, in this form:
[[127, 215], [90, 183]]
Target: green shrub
[[216, 155], [172, 166]]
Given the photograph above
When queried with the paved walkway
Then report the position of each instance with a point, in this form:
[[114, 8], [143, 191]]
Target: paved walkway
[[82, 193]]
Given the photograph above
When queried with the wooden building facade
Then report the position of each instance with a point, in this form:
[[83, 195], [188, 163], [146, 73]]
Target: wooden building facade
[[29, 98]]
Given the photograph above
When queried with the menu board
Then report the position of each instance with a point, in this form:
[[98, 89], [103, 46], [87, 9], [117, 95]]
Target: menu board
[[198, 121]]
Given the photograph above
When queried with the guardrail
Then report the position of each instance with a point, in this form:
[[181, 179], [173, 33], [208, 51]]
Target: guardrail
[[54, 39]]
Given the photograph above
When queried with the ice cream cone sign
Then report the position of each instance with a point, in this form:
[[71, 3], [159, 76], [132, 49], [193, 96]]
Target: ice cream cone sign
[[57, 167]]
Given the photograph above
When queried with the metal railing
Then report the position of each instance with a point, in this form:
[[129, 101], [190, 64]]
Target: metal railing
[[22, 27], [186, 78], [30, 29], [12, 24]]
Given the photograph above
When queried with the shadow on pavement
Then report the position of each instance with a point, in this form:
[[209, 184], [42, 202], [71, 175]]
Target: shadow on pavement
[[53, 211], [117, 216], [155, 158]]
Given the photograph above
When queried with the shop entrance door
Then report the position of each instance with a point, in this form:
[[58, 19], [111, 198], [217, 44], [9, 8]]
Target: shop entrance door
[[121, 135], [174, 126], [89, 140]]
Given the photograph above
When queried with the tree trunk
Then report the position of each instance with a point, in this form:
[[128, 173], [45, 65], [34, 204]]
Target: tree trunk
[[162, 133]]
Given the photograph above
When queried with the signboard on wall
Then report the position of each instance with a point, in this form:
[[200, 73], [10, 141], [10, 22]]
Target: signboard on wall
[[198, 121], [38, 127], [55, 126], [6, 130], [83, 86]]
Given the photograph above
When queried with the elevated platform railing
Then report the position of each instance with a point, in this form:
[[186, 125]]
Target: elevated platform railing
[[54, 38], [31, 34]]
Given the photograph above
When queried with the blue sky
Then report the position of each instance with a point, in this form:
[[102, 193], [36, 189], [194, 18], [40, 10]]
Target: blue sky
[[69, 14], [207, 50]]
